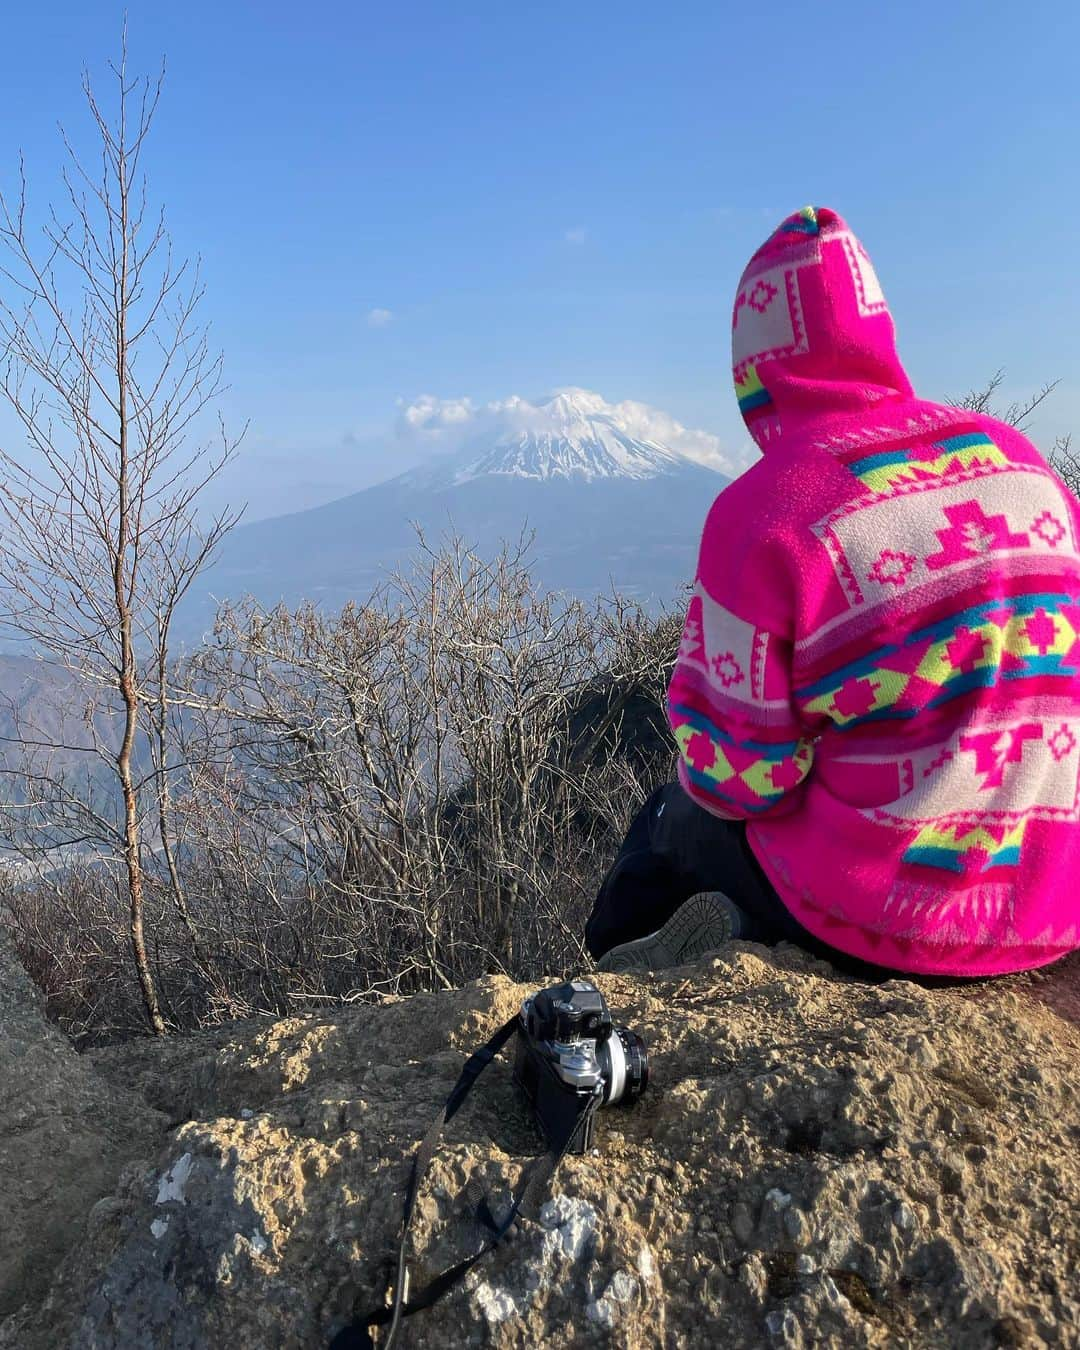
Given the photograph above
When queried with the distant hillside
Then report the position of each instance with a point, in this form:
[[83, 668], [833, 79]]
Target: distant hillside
[[43, 708], [41, 702]]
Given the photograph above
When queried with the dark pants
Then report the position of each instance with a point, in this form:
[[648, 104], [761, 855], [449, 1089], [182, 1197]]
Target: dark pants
[[674, 849]]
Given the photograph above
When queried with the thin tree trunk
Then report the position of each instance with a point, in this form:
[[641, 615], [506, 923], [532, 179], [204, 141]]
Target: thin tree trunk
[[164, 806], [128, 685], [133, 861]]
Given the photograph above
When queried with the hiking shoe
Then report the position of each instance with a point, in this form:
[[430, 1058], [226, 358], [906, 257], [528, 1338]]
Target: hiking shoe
[[701, 924]]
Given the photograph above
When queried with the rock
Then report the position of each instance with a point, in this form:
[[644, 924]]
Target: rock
[[65, 1134], [742, 1223], [818, 1161]]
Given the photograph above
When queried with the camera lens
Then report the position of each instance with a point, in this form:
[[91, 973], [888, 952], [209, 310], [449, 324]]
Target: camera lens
[[637, 1064], [625, 1062]]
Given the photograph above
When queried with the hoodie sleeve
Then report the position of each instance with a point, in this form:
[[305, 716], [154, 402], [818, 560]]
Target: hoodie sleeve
[[743, 751]]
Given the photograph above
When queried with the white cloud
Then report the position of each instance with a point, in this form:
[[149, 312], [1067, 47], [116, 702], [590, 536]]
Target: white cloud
[[576, 235], [432, 416], [379, 318], [652, 424], [446, 424]]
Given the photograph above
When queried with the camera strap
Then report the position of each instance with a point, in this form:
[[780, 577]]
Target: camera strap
[[357, 1335]]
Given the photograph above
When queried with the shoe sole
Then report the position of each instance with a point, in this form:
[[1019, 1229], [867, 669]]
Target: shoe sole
[[700, 925]]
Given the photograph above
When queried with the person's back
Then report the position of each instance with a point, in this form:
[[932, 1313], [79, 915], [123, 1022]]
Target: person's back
[[880, 669]]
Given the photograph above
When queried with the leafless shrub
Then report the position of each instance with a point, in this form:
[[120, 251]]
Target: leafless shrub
[[1016, 414], [1066, 461], [402, 796], [1063, 458]]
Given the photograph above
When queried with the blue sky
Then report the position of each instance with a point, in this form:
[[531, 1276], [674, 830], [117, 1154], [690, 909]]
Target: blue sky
[[549, 194]]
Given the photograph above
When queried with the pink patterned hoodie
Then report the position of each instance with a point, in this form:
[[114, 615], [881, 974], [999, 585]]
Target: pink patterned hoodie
[[880, 668]]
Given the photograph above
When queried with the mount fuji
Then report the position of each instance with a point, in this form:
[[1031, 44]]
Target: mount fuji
[[614, 495]]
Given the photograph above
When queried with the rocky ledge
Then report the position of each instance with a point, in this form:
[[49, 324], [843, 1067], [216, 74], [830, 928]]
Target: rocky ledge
[[817, 1162]]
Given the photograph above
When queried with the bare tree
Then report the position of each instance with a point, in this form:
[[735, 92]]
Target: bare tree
[[1063, 458], [1066, 461], [110, 373]]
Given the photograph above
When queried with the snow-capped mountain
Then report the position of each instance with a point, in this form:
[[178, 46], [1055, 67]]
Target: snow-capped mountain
[[574, 434], [614, 496]]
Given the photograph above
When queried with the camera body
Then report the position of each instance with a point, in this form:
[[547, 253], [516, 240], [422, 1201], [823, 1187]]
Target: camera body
[[570, 1053]]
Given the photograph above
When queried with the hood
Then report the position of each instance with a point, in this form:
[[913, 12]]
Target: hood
[[812, 336]]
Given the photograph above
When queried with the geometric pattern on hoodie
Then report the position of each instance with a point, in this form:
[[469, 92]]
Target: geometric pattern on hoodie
[[880, 665]]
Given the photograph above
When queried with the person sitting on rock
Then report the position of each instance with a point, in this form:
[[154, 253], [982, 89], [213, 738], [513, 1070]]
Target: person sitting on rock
[[876, 700]]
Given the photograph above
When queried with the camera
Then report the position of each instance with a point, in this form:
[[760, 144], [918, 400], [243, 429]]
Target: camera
[[569, 1055]]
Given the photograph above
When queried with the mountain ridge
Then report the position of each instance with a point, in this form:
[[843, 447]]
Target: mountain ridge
[[607, 507]]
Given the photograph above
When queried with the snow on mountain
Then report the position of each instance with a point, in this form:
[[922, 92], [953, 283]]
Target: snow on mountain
[[613, 495], [575, 434]]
